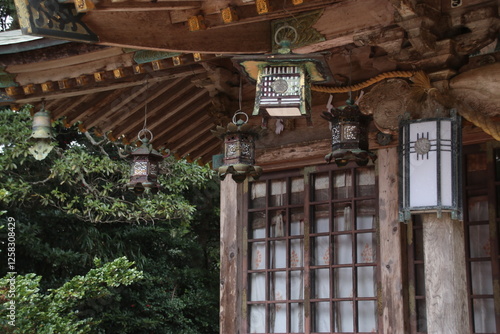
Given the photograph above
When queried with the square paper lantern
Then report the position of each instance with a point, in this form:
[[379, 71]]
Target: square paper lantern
[[284, 82], [430, 166], [283, 91]]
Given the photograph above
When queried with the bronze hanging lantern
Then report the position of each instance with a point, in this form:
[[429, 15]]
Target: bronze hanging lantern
[[283, 80], [41, 135], [349, 135], [144, 167], [239, 149]]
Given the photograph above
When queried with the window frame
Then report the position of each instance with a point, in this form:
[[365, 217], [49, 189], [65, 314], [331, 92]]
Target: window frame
[[308, 204]]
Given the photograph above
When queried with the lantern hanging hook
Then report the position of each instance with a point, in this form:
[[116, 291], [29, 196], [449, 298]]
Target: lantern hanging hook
[[238, 113], [143, 135], [146, 109], [284, 43]]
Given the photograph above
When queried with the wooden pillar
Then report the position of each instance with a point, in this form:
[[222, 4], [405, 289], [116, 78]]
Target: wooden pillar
[[230, 255], [391, 265], [445, 275]]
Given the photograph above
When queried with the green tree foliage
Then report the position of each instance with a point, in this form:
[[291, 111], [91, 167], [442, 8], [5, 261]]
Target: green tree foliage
[[8, 15], [73, 207], [57, 310]]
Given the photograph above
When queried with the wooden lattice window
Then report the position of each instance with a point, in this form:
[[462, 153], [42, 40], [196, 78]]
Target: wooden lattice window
[[482, 239], [312, 252], [416, 276], [482, 190]]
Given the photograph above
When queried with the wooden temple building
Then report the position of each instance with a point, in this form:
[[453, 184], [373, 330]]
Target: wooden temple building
[[310, 246]]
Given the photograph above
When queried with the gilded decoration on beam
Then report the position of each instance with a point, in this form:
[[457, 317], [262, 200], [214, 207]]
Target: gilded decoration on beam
[[29, 89], [138, 69], [50, 18], [196, 23], [99, 76], [177, 60], [119, 73], [83, 6], [303, 24], [229, 15], [47, 86], [64, 84], [197, 56], [12, 91], [263, 6]]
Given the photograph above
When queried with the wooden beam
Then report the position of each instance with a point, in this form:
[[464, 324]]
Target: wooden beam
[[162, 111], [171, 129], [391, 252], [143, 30], [169, 110], [133, 121], [64, 60], [231, 222], [130, 112], [196, 136], [340, 23], [147, 5], [97, 108], [189, 134], [175, 73], [445, 275], [116, 106], [70, 107], [207, 145]]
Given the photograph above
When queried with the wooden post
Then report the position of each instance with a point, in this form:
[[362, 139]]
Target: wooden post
[[445, 275], [230, 255], [391, 265]]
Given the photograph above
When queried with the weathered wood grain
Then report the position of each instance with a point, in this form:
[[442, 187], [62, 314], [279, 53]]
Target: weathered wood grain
[[230, 256], [391, 268], [445, 275]]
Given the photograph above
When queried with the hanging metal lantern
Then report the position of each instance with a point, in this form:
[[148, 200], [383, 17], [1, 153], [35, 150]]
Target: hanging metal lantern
[[144, 167], [430, 166], [349, 135], [284, 79], [239, 149], [41, 135]]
